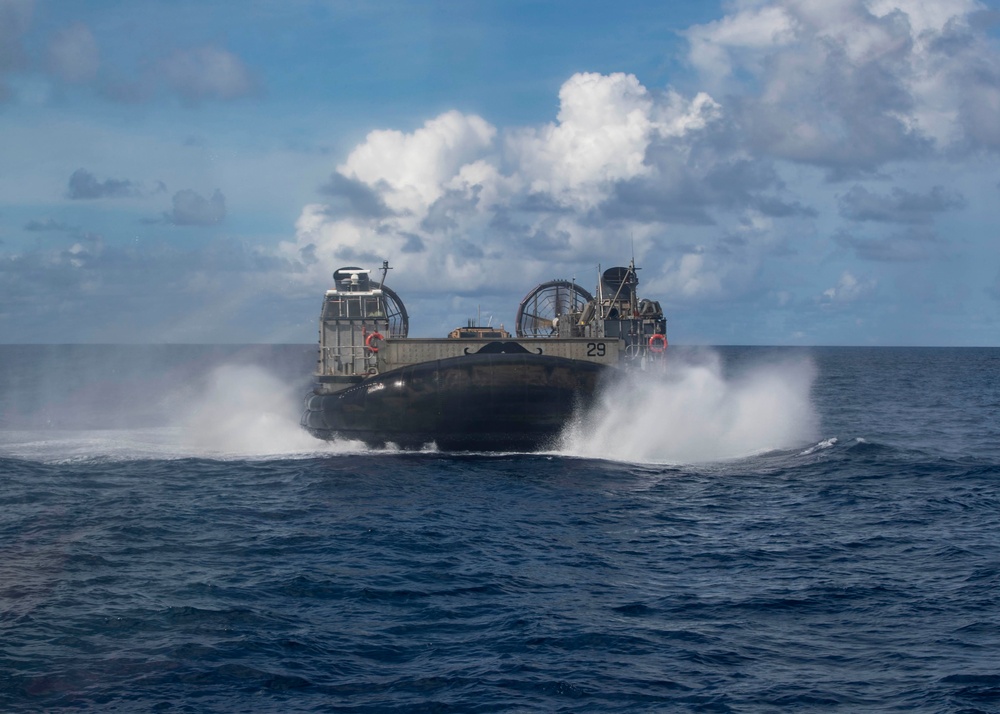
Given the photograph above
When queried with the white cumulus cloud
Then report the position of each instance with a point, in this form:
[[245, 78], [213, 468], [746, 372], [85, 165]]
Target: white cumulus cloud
[[413, 168], [451, 201], [850, 85]]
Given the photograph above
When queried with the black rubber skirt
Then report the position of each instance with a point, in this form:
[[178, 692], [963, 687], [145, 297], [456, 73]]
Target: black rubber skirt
[[478, 402]]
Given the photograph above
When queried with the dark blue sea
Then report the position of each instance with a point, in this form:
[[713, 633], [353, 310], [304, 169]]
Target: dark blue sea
[[759, 530]]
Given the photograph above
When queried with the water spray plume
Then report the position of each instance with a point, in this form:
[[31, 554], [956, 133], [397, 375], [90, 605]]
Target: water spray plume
[[243, 410], [695, 413]]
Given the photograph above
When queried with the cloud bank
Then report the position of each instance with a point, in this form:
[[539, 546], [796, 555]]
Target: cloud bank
[[456, 197], [817, 160], [849, 90]]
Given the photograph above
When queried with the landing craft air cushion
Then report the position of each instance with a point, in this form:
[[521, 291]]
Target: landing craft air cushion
[[479, 389]]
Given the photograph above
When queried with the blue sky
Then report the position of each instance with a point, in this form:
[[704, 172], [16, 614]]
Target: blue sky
[[791, 172]]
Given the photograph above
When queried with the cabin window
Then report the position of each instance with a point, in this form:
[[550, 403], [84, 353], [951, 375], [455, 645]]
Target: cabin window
[[332, 309], [372, 308], [352, 307]]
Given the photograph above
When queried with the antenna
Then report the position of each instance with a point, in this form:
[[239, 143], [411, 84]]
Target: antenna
[[635, 275], [600, 294], [385, 271]]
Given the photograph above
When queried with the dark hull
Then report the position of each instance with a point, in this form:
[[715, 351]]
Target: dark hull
[[491, 402]]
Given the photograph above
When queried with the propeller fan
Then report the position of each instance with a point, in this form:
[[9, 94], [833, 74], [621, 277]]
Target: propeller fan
[[395, 311], [540, 307]]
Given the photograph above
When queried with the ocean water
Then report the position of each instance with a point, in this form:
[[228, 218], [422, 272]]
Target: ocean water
[[760, 530]]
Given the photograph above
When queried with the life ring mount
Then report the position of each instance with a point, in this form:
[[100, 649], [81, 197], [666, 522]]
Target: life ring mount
[[657, 342], [371, 338]]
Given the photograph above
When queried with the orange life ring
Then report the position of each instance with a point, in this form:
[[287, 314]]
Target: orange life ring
[[368, 341], [657, 342]]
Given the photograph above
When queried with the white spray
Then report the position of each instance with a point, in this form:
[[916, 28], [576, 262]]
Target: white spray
[[694, 413], [242, 410]]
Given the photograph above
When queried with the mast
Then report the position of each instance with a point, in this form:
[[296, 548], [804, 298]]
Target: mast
[[385, 271]]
